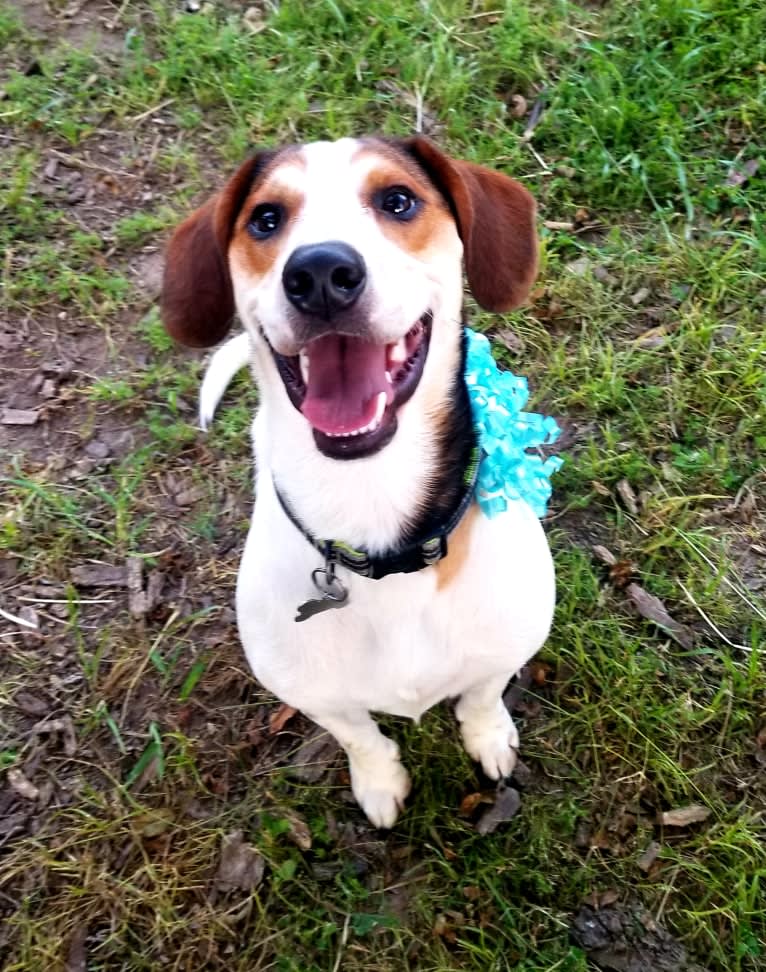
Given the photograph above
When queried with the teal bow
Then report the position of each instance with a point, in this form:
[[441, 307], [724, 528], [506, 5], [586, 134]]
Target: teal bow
[[507, 471]]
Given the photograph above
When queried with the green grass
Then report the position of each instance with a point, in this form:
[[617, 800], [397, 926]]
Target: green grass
[[646, 335]]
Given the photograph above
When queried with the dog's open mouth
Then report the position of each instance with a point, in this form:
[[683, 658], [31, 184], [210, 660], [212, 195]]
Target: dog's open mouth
[[350, 389]]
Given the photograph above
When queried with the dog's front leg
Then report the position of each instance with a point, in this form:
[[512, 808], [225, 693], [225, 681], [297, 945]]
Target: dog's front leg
[[378, 779], [489, 734]]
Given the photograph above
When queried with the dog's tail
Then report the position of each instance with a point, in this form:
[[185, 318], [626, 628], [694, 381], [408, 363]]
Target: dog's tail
[[225, 363]]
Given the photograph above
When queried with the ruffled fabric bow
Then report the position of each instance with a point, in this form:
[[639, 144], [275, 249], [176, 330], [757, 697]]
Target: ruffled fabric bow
[[507, 471]]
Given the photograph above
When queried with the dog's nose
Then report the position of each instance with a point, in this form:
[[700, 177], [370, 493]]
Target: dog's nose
[[324, 278]]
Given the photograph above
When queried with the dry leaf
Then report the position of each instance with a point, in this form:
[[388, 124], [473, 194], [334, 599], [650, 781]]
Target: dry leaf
[[21, 785], [604, 555], [299, 832], [518, 105], [19, 416], [470, 802], [99, 575], [240, 866], [738, 177], [77, 959], [655, 337], [649, 856], [280, 717], [627, 495], [65, 726], [313, 757], [621, 573], [652, 608], [640, 296], [505, 807], [684, 816]]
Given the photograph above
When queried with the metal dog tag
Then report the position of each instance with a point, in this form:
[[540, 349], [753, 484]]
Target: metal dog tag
[[334, 594]]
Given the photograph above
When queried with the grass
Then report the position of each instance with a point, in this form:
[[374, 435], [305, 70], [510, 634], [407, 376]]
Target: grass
[[646, 335]]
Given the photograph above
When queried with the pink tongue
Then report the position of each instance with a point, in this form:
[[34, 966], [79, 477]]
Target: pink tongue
[[346, 375]]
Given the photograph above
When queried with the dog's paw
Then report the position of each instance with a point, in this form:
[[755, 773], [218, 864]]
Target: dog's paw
[[493, 743], [380, 788]]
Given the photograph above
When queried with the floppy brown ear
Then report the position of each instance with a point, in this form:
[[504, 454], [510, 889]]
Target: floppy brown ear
[[197, 300], [496, 220]]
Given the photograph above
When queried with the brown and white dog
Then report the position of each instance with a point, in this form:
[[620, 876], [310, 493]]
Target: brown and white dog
[[343, 262]]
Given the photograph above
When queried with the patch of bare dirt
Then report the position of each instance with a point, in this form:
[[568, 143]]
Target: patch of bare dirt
[[93, 25]]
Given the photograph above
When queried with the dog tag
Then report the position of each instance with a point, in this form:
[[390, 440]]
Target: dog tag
[[334, 594]]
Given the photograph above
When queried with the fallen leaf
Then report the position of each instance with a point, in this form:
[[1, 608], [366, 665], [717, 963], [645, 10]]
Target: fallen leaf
[[31, 705], [621, 573], [65, 726], [19, 416], [639, 296], [188, 497], [510, 340], [652, 609], [77, 959], [580, 266], [280, 717], [604, 555], [299, 832], [518, 105], [505, 808], [649, 856], [314, 757], [684, 816], [471, 801], [240, 866], [655, 337], [99, 575], [627, 495], [738, 177], [21, 785]]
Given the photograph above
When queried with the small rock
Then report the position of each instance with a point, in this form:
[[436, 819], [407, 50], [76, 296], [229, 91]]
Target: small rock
[[19, 416], [96, 449], [640, 296], [21, 785]]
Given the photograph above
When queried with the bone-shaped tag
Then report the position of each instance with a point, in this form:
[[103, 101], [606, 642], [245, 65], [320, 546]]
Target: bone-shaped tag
[[316, 605], [334, 594]]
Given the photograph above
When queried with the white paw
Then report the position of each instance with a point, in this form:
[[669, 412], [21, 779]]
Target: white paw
[[380, 787], [493, 743]]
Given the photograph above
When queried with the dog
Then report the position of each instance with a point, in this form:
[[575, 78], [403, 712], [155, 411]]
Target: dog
[[343, 261]]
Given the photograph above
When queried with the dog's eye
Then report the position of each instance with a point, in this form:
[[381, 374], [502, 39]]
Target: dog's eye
[[399, 202], [265, 220]]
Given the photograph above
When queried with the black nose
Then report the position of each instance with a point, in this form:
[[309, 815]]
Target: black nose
[[324, 278]]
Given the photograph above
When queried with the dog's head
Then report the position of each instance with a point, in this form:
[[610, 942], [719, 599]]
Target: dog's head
[[345, 257]]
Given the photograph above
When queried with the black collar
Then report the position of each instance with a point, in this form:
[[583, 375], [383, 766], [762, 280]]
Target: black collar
[[406, 560]]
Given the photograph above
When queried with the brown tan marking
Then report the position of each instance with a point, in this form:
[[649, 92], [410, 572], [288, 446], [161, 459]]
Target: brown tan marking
[[393, 168], [457, 552], [256, 257]]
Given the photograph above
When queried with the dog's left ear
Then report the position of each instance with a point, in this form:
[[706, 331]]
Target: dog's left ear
[[197, 298], [496, 220]]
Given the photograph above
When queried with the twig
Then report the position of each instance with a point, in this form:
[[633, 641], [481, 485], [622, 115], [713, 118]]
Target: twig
[[17, 620], [343, 940], [709, 623], [76, 163], [151, 111]]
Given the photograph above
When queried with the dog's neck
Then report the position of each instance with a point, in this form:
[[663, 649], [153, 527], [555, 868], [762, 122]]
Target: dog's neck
[[397, 496]]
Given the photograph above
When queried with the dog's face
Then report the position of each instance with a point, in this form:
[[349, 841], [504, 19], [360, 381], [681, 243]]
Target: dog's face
[[345, 258]]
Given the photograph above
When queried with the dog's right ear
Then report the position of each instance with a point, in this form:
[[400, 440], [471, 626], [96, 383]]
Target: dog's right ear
[[197, 300]]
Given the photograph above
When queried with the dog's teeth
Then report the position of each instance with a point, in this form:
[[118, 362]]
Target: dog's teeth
[[389, 378], [398, 352], [380, 407], [303, 358]]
